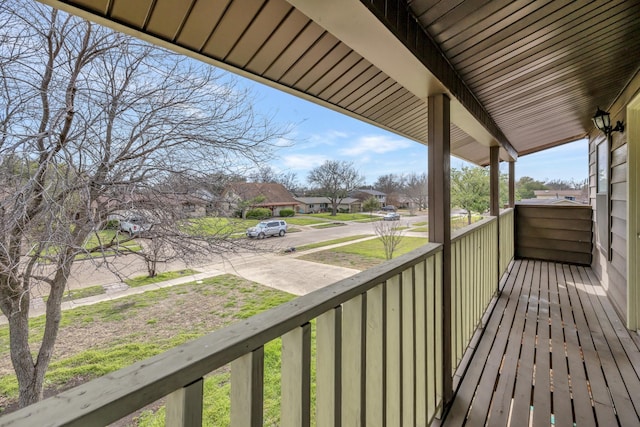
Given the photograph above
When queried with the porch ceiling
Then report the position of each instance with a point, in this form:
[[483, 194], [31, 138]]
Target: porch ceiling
[[526, 75]]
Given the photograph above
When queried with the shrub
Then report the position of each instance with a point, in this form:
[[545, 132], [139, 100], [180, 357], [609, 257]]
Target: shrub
[[259, 213], [287, 212], [112, 224], [343, 210]]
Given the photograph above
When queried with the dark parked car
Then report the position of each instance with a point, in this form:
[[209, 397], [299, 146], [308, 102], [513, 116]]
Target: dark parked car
[[389, 208]]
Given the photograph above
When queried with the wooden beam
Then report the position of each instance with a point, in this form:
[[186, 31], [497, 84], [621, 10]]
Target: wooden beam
[[398, 18], [439, 151]]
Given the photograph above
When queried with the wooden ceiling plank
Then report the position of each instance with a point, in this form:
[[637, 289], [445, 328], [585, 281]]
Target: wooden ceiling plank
[[335, 72], [260, 30], [519, 21], [545, 55], [199, 25], [373, 79], [233, 24], [301, 44], [345, 80], [167, 18], [100, 7], [387, 86], [278, 41], [338, 53], [561, 29], [131, 13], [309, 60]]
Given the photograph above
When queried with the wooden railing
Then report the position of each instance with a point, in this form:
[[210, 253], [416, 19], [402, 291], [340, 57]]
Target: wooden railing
[[474, 281], [378, 350], [554, 233]]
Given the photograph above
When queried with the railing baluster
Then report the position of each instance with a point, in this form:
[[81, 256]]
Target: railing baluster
[[394, 353], [329, 368], [421, 354], [247, 376], [375, 386], [408, 349], [295, 407], [352, 362], [184, 406]]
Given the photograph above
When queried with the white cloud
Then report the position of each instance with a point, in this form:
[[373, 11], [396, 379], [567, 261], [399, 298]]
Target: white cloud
[[378, 144], [303, 161]]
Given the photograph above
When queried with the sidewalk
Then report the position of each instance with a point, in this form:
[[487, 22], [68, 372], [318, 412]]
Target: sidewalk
[[279, 271]]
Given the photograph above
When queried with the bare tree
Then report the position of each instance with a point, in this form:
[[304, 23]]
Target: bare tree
[[268, 174], [335, 179], [90, 122], [390, 235], [416, 189]]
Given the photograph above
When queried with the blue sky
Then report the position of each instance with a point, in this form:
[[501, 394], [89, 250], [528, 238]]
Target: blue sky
[[321, 134]]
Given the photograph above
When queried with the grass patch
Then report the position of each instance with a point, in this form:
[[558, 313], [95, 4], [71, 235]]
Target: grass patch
[[329, 225], [331, 242], [80, 293], [420, 224], [121, 332], [160, 277], [362, 255], [375, 249], [420, 229], [297, 220], [342, 216]]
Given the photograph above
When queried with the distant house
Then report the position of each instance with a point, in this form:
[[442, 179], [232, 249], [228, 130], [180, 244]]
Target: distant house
[[266, 195], [573, 195], [166, 205], [363, 194], [323, 204]]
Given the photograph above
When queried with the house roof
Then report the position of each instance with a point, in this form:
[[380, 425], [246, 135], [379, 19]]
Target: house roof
[[558, 193], [274, 194], [318, 200], [522, 75], [372, 192]]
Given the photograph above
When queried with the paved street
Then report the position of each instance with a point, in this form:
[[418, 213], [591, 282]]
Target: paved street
[[270, 266]]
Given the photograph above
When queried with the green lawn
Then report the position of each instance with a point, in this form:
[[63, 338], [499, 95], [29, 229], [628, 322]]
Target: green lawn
[[374, 248], [330, 242], [342, 216], [127, 330], [160, 277]]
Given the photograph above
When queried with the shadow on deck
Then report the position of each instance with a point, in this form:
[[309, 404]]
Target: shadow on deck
[[553, 352]]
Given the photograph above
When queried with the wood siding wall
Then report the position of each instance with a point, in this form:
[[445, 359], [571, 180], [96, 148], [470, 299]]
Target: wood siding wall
[[554, 233], [612, 269]]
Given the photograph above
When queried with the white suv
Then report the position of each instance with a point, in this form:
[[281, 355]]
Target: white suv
[[268, 228]]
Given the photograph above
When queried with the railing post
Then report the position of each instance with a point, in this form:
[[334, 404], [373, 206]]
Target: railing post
[[184, 406], [512, 184], [247, 376], [439, 150], [295, 408], [329, 368], [494, 158]]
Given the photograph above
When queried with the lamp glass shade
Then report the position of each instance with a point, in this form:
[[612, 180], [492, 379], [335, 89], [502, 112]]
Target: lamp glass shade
[[602, 120]]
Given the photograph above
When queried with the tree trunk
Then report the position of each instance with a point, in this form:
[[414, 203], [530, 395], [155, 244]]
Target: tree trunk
[[468, 217], [29, 373]]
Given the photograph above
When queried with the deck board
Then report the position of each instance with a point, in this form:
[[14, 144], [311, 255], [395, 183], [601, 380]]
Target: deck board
[[554, 352]]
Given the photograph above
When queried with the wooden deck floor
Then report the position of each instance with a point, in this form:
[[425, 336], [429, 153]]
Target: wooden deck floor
[[554, 352]]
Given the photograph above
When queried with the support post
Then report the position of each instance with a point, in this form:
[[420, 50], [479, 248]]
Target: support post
[[494, 180], [439, 148], [512, 184]]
